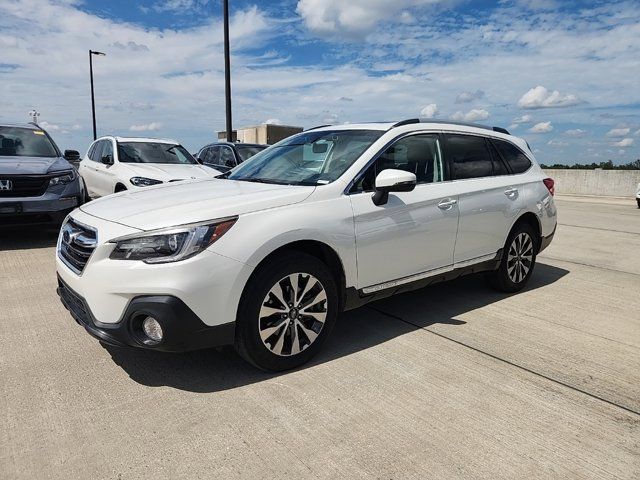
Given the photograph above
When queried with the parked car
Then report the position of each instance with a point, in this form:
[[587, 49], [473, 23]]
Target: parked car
[[115, 164], [37, 182], [638, 195], [266, 256], [223, 156]]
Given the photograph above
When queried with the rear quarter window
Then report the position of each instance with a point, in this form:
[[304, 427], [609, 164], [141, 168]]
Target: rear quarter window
[[517, 160]]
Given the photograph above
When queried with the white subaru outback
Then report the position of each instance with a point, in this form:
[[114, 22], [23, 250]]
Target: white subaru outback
[[266, 256]]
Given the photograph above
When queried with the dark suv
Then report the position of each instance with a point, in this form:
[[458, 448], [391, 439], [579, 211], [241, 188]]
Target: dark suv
[[38, 184], [223, 156]]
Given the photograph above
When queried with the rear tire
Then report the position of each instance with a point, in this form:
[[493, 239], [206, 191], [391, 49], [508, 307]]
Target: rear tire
[[518, 260], [286, 312], [638, 200]]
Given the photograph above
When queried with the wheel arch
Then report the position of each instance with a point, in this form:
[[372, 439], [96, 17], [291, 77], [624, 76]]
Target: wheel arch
[[318, 249], [531, 219], [120, 187]]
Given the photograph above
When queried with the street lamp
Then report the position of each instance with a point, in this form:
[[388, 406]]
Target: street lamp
[[227, 70], [93, 102]]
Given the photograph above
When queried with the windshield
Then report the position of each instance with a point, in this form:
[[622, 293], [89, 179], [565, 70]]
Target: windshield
[[309, 158], [246, 151], [25, 142], [151, 152]]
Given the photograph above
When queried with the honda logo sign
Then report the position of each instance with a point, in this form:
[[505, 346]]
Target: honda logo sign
[[6, 185]]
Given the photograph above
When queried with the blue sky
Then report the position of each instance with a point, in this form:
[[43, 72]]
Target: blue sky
[[562, 74]]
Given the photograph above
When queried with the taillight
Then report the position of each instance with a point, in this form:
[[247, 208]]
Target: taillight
[[549, 183]]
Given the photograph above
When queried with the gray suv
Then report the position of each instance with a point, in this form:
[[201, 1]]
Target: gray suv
[[38, 184]]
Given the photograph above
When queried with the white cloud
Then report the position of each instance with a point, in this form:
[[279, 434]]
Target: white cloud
[[618, 132], [466, 97], [542, 127], [471, 116], [523, 119], [625, 142], [354, 18], [147, 127], [49, 126], [557, 143], [273, 121], [429, 111], [575, 133], [540, 97]]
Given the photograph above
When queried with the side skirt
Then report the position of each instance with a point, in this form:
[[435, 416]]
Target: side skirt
[[355, 298]]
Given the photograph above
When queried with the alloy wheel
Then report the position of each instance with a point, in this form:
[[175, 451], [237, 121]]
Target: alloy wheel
[[292, 314], [520, 257]]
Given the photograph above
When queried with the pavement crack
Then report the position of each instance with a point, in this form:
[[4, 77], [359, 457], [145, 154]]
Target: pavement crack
[[504, 360], [546, 257]]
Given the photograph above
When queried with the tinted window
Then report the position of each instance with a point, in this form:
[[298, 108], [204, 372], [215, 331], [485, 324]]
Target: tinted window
[[210, 156], [107, 150], [227, 159], [469, 156], [96, 155], [90, 152], [152, 152], [499, 167], [418, 154], [246, 151], [516, 159], [25, 142]]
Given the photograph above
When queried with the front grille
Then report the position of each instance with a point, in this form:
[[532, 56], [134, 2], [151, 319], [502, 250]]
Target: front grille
[[74, 303], [77, 243], [24, 185]]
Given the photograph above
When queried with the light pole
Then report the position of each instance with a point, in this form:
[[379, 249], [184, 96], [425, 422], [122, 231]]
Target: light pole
[[93, 102], [227, 70]]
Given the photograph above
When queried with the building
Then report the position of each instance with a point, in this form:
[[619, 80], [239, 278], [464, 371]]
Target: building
[[265, 133]]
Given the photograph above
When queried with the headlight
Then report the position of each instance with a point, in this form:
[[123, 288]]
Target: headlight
[[62, 179], [170, 244], [144, 181]]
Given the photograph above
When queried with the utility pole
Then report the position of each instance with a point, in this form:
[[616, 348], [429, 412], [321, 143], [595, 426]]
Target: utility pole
[[93, 102], [227, 70]]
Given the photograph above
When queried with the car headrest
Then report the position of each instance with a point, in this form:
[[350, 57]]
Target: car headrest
[[8, 143]]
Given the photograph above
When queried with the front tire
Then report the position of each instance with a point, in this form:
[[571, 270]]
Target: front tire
[[286, 312], [518, 260]]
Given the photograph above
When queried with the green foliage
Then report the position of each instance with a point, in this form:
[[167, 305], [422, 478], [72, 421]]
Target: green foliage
[[608, 165]]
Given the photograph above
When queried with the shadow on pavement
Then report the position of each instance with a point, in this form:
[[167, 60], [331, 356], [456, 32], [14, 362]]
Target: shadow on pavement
[[21, 238], [222, 369]]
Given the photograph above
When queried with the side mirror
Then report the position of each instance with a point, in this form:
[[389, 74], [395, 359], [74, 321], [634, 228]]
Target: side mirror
[[71, 155], [392, 180], [107, 160]]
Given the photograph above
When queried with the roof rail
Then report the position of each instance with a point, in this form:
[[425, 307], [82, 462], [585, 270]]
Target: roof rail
[[450, 122], [319, 126], [408, 121]]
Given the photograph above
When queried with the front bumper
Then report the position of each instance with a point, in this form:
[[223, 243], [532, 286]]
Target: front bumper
[[48, 209], [182, 329]]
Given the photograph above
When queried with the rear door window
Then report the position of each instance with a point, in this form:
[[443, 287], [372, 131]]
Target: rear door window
[[517, 160], [468, 156]]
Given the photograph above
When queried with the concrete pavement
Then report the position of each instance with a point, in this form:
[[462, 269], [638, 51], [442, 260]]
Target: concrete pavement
[[453, 381]]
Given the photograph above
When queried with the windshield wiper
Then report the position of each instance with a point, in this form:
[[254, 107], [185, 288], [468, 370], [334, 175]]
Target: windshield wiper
[[259, 180]]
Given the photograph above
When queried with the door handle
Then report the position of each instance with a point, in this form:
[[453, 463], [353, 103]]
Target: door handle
[[510, 191], [446, 204]]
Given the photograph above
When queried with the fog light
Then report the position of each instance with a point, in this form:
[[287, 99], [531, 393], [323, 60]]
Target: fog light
[[152, 329]]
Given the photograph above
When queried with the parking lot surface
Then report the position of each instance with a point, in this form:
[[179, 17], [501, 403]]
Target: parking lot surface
[[453, 381]]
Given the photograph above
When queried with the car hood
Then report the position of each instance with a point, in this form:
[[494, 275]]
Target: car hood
[[181, 203], [168, 171], [32, 165]]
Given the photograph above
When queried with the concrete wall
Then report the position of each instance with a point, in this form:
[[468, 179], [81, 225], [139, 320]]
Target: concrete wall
[[613, 183]]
